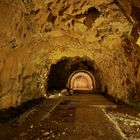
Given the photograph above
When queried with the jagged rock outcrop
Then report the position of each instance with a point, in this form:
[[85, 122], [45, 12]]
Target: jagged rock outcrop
[[34, 34]]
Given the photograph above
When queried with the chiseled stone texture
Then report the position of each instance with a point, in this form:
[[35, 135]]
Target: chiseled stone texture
[[37, 33]]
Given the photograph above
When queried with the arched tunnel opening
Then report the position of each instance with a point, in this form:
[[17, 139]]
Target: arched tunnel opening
[[81, 80], [74, 73]]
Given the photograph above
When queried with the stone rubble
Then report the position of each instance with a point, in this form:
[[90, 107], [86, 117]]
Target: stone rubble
[[129, 125]]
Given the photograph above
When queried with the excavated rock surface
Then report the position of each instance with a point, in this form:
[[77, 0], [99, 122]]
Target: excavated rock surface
[[34, 34]]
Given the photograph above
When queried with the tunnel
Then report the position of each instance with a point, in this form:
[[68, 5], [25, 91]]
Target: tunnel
[[74, 73], [81, 80]]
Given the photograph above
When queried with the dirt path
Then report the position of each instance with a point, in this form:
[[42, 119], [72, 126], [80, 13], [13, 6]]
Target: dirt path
[[78, 117]]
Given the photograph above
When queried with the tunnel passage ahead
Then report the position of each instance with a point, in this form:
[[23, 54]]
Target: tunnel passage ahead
[[74, 73], [81, 80]]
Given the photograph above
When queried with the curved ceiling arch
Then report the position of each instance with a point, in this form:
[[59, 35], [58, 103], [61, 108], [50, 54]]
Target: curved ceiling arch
[[81, 80]]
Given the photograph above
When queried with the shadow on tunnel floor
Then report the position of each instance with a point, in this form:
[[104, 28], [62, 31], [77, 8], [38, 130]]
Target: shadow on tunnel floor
[[8, 114]]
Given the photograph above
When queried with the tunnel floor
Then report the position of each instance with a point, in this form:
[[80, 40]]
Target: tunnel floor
[[77, 117]]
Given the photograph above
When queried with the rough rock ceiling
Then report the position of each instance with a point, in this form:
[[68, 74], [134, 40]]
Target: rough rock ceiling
[[34, 34]]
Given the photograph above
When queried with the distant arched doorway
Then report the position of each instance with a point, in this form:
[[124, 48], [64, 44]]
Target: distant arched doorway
[[81, 80]]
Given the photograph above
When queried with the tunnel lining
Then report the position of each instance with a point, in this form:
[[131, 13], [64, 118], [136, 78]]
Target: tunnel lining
[[80, 72]]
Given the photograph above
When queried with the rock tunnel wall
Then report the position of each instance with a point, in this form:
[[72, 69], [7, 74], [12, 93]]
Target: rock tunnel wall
[[34, 34]]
